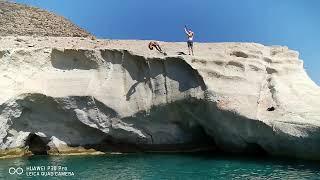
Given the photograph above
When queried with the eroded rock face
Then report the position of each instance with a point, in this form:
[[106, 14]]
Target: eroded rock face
[[237, 97]]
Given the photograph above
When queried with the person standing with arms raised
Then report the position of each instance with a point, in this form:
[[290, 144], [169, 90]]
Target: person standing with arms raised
[[190, 35]]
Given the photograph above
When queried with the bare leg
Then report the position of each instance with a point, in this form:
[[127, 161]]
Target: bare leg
[[192, 50], [159, 48]]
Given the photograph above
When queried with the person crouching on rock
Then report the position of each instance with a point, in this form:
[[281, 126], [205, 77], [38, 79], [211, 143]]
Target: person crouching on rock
[[154, 44]]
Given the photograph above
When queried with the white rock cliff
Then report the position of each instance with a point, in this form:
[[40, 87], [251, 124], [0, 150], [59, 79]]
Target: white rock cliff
[[62, 94]]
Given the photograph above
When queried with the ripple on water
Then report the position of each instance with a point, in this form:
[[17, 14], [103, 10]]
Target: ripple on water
[[168, 166]]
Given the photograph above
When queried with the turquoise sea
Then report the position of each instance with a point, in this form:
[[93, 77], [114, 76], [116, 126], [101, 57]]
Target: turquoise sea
[[156, 166]]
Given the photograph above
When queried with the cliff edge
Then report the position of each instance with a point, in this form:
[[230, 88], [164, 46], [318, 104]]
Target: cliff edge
[[71, 95]]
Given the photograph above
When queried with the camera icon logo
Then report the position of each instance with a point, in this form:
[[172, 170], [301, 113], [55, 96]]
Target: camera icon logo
[[17, 170]]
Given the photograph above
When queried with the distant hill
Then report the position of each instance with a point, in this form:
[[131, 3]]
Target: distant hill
[[22, 20]]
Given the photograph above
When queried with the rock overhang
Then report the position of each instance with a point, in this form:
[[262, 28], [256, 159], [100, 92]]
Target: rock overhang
[[226, 91]]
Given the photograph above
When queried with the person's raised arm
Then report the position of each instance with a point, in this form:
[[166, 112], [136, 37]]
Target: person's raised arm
[[186, 30]]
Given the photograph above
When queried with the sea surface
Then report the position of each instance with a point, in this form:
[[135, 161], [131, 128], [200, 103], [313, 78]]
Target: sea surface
[[156, 166]]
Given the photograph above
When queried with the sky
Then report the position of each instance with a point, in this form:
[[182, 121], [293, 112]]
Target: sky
[[292, 23]]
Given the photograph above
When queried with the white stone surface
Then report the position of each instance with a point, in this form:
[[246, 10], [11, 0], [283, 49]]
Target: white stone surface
[[80, 91]]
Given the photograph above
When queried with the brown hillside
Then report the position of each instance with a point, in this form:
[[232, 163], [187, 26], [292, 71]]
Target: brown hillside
[[22, 20]]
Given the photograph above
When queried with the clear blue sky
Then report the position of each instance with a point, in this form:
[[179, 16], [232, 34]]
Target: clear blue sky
[[294, 23]]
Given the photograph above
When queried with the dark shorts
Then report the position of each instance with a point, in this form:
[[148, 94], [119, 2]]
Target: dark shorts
[[190, 43]]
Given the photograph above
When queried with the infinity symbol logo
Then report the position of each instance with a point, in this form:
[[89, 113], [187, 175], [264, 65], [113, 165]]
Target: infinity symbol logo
[[13, 170]]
